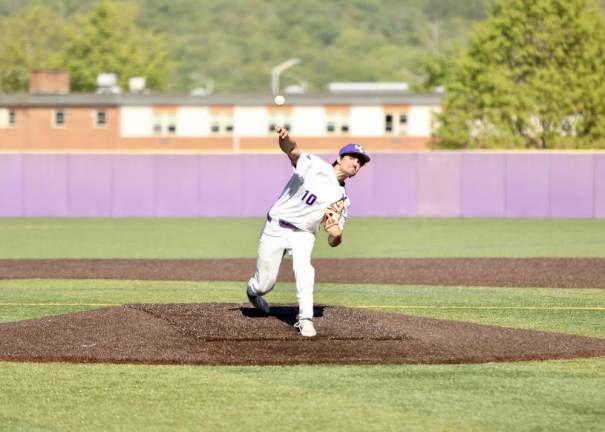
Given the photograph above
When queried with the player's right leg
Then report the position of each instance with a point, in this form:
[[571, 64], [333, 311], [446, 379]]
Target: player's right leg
[[270, 253]]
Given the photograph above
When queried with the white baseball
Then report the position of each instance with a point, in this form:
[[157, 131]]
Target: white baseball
[[279, 100]]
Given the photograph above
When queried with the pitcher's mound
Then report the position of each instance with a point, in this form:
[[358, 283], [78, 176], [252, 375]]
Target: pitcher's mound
[[228, 334]]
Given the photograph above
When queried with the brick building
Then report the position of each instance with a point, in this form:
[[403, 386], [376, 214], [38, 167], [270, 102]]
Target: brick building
[[50, 118]]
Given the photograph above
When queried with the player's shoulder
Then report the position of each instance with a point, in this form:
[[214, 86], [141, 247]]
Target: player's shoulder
[[312, 158], [313, 161]]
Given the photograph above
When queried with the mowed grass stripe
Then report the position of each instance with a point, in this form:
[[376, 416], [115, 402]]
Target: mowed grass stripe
[[158, 238]]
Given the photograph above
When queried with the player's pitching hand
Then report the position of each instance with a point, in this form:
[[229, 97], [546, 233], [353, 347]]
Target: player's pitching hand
[[282, 132]]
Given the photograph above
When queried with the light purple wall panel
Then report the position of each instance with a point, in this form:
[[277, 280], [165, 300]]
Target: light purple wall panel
[[133, 185], [599, 185], [527, 188], [89, 185], [445, 184], [219, 187], [397, 180], [11, 185], [482, 191], [44, 185], [177, 185], [439, 184], [571, 186], [263, 179], [387, 186]]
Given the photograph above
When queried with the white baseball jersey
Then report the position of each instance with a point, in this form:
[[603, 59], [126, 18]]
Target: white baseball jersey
[[310, 191]]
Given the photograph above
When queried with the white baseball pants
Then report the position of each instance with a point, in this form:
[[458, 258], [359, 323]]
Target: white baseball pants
[[275, 240]]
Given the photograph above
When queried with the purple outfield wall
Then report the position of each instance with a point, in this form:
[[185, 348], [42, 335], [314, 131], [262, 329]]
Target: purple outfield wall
[[424, 184]]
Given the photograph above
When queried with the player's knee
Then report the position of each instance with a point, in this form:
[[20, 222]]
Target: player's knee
[[266, 284]]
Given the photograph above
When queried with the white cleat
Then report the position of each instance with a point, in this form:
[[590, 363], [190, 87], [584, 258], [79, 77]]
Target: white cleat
[[305, 327]]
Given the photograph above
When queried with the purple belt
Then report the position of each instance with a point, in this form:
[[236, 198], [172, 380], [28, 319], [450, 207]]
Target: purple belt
[[282, 223]]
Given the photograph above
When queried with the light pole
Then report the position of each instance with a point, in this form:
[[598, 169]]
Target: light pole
[[276, 72]]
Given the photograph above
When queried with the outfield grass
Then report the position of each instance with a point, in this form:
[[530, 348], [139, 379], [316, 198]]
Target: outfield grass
[[528, 396], [237, 238], [553, 396]]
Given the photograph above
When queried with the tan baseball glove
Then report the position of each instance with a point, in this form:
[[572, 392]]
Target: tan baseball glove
[[333, 214]]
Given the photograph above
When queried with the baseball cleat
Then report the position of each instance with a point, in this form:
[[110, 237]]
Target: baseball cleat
[[259, 303], [305, 327]]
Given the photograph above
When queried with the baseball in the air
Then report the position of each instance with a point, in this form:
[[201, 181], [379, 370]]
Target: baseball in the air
[[279, 100]]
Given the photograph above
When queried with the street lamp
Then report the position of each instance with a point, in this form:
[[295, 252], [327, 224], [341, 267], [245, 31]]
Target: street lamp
[[276, 72]]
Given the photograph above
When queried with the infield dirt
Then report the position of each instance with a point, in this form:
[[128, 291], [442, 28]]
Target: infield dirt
[[503, 272], [228, 334]]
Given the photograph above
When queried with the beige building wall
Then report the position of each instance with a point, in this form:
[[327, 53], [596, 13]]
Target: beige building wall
[[145, 128]]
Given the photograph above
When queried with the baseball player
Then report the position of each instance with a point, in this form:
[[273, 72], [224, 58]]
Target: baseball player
[[314, 196]]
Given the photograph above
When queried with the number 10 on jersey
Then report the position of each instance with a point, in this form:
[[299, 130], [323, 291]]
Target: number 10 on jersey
[[309, 198]]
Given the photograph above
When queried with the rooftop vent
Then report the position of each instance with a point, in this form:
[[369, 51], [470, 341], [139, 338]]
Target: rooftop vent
[[108, 83], [136, 84]]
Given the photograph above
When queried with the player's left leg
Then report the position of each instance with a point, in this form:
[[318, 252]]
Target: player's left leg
[[270, 252], [301, 246]]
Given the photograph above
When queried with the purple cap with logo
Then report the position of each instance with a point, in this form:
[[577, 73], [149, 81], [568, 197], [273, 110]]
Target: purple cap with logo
[[355, 149]]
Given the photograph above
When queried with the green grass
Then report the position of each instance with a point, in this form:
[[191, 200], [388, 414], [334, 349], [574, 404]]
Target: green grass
[[530, 396], [237, 238], [554, 396]]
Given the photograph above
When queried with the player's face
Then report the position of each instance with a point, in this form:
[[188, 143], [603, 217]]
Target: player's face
[[350, 164]]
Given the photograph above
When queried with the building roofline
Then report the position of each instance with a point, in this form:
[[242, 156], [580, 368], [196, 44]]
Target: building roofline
[[235, 99]]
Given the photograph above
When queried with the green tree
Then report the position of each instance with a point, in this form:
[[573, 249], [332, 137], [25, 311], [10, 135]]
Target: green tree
[[532, 77], [109, 40], [31, 39]]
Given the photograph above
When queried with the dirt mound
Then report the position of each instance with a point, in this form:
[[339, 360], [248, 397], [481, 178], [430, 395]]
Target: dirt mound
[[228, 334], [502, 272]]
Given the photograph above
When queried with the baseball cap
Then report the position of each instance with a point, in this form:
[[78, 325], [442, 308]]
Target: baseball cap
[[355, 149]]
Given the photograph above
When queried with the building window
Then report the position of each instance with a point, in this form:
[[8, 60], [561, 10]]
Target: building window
[[221, 123], [338, 123], [171, 123], [273, 126], [164, 123], [100, 119], [60, 118], [279, 119], [12, 118], [396, 123]]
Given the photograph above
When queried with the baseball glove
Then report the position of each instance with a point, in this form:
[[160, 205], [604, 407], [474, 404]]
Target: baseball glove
[[333, 214]]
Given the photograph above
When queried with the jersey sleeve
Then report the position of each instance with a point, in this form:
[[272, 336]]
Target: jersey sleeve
[[304, 164]]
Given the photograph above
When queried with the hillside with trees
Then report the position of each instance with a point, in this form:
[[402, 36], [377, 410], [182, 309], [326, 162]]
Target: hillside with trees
[[232, 45]]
